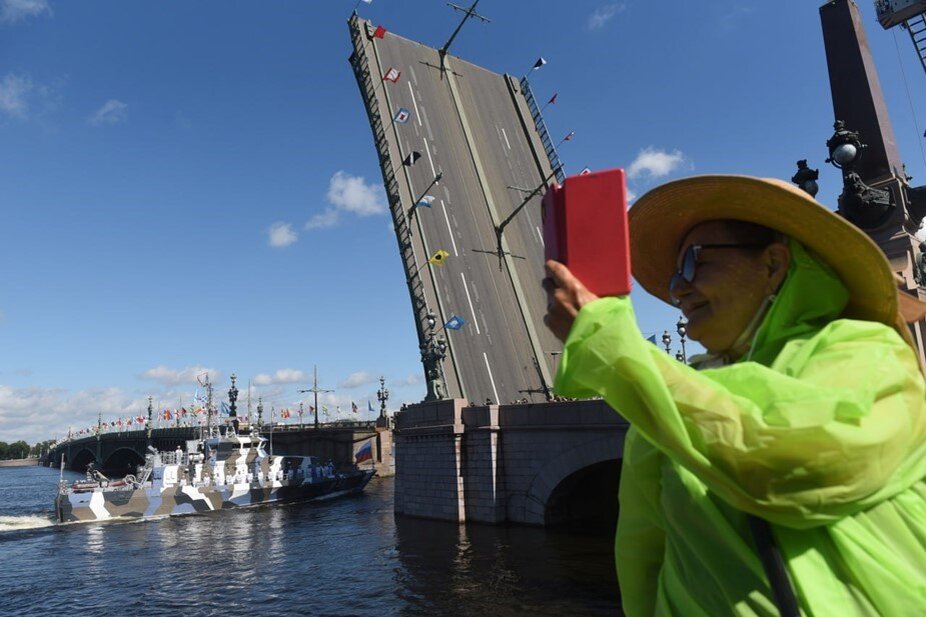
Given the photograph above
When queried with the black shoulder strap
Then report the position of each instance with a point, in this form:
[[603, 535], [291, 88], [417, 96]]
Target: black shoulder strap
[[774, 567]]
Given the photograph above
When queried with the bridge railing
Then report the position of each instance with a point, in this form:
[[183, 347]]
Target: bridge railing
[[548, 146], [368, 84]]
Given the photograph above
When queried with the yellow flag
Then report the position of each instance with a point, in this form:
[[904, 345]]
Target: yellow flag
[[439, 257]]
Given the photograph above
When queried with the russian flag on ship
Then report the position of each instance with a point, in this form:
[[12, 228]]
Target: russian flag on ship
[[365, 453]]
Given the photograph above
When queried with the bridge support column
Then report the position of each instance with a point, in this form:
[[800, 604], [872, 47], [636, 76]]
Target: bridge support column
[[429, 461]]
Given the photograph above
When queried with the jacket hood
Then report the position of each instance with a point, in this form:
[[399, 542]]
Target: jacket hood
[[810, 297]]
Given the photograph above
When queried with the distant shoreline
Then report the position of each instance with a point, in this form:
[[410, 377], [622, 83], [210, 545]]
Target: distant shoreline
[[21, 462]]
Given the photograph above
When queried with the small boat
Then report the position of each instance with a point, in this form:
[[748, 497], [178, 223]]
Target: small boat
[[214, 473]]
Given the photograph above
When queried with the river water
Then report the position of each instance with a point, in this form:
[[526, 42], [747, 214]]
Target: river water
[[344, 557]]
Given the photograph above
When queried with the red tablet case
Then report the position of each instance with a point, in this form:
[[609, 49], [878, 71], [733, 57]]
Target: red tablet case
[[585, 228]]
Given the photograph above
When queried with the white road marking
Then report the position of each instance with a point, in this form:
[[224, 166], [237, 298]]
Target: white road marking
[[505, 135], [450, 230], [427, 125], [414, 102], [539, 235], [492, 379], [430, 160], [414, 77], [472, 311]]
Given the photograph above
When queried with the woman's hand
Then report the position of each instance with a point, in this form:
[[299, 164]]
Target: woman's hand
[[566, 295]]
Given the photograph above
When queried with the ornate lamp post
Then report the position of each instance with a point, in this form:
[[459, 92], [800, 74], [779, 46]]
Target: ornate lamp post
[[260, 412], [806, 178], [865, 206], [667, 341], [382, 395], [232, 399], [682, 328], [148, 424], [433, 352]]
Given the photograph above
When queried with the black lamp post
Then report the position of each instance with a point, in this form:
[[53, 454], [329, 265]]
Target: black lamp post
[[667, 341], [232, 399], [382, 395], [806, 178], [682, 328], [865, 206]]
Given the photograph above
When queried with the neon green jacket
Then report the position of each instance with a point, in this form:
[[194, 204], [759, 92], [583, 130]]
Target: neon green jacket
[[822, 432]]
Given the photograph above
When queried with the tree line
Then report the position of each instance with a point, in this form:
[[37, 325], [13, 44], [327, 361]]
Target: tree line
[[21, 449]]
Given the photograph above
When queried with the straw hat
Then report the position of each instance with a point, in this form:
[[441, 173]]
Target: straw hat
[[660, 219]]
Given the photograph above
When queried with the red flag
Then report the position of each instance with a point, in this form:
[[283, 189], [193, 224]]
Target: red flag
[[585, 171], [569, 136], [553, 98], [353, 407], [392, 75], [379, 33]]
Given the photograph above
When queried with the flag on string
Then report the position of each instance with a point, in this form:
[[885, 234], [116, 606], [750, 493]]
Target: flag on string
[[438, 258], [412, 158], [585, 171], [553, 99], [426, 201], [379, 33], [365, 453], [455, 323], [392, 75], [402, 115], [353, 407], [540, 62], [569, 136]]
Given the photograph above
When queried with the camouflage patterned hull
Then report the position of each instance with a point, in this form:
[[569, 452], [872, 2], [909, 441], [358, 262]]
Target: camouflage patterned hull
[[102, 504]]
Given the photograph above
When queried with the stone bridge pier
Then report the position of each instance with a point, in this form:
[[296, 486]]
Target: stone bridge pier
[[546, 464]]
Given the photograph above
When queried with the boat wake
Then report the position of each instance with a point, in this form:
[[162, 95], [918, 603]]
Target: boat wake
[[17, 523]]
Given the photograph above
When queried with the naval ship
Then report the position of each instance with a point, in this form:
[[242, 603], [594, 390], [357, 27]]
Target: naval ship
[[214, 473]]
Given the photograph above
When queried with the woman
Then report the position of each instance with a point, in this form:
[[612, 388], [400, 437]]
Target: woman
[[802, 440]]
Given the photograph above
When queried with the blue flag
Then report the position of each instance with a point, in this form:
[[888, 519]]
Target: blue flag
[[225, 409], [426, 201], [456, 322], [370, 405], [652, 339]]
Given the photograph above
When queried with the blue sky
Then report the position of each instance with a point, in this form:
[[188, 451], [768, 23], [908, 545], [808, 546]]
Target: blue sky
[[192, 186]]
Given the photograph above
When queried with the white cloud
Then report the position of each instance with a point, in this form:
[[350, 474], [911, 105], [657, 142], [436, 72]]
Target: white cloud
[[360, 378], [12, 11], [413, 379], [14, 95], [353, 194], [603, 14], [112, 112], [349, 194], [36, 414], [328, 218], [631, 195], [652, 163], [283, 375], [170, 376], [281, 234]]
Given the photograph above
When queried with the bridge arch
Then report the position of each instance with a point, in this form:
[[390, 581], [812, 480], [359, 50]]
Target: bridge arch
[[578, 488], [80, 460], [123, 460]]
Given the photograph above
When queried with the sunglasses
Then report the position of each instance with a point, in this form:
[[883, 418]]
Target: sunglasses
[[689, 264]]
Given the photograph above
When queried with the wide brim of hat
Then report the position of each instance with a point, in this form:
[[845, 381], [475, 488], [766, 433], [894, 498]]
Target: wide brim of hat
[[660, 220]]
